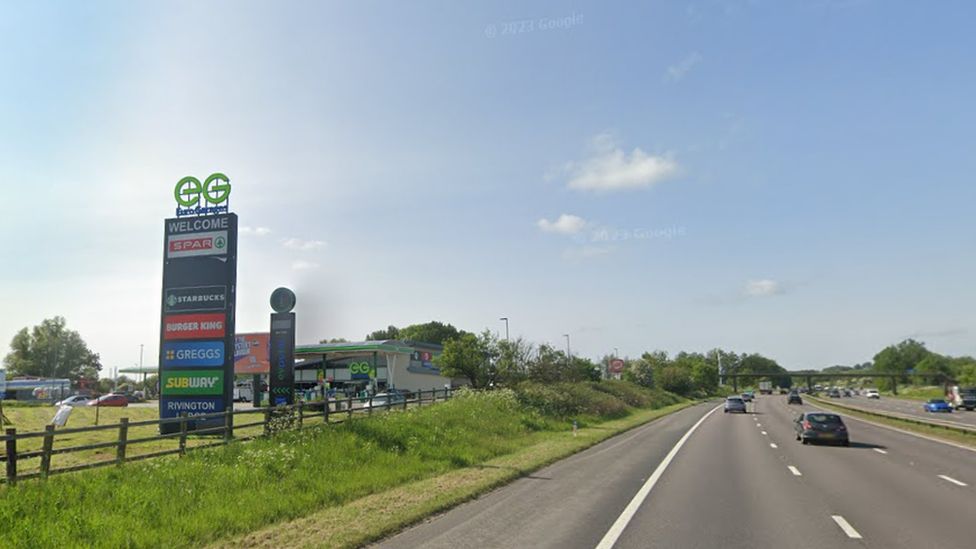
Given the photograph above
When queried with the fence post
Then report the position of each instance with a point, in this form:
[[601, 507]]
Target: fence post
[[182, 434], [48, 445], [405, 400], [228, 424], [11, 455], [267, 421], [349, 405], [325, 410], [301, 412], [370, 411], [420, 398], [123, 439]]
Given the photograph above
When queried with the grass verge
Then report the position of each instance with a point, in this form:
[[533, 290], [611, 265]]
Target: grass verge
[[373, 517], [933, 431], [219, 493]]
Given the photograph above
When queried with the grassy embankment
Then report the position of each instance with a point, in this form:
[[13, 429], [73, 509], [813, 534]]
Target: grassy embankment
[[915, 392], [461, 447]]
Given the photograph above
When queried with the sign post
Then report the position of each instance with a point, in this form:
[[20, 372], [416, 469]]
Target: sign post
[[282, 348], [196, 341]]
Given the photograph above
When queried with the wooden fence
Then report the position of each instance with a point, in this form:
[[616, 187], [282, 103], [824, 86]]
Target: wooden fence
[[272, 419]]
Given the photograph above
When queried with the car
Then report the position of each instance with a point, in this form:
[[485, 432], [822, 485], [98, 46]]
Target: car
[[794, 398], [73, 400], [833, 393], [872, 393], [110, 400], [735, 404], [783, 391], [748, 396], [381, 400], [821, 427], [847, 393], [937, 405]]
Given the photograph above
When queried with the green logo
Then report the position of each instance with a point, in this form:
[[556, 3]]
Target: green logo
[[220, 242], [215, 190], [171, 300], [362, 368]]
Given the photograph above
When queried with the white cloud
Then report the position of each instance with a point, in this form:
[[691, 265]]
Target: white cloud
[[676, 72], [258, 231], [304, 245], [763, 287], [565, 224], [609, 168], [304, 266]]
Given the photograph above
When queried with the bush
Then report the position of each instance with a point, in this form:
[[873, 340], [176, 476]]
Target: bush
[[603, 399]]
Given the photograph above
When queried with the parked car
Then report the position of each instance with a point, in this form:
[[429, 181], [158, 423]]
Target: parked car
[[938, 405], [74, 400], [821, 426], [794, 398], [872, 393], [735, 404], [110, 400], [380, 400]]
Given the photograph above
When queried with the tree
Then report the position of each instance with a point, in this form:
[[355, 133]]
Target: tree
[[469, 356], [430, 332], [51, 350], [514, 359], [641, 372], [899, 359], [674, 379], [391, 332]]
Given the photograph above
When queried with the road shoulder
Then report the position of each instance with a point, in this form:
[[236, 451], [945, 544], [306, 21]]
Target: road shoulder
[[378, 515]]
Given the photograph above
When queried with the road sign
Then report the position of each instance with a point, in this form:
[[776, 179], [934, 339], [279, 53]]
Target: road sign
[[282, 300], [282, 358], [196, 340], [616, 366]]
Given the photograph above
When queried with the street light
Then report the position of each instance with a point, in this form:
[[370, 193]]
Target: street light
[[569, 354], [505, 318]]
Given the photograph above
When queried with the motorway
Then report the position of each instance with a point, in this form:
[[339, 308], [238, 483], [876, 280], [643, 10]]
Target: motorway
[[737, 481], [907, 407]]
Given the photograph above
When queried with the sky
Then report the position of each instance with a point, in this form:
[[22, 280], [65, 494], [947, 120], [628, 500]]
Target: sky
[[793, 178]]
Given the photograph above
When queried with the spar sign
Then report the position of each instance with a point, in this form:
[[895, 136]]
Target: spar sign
[[196, 336]]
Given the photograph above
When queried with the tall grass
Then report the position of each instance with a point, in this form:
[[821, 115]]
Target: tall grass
[[211, 494]]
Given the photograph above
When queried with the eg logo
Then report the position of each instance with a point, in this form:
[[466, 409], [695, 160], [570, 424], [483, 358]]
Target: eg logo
[[215, 190], [362, 368]]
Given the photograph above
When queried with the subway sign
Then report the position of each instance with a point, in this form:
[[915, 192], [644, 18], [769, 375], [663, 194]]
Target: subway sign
[[206, 382]]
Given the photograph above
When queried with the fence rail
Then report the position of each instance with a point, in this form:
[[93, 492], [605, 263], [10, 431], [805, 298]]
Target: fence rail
[[273, 419]]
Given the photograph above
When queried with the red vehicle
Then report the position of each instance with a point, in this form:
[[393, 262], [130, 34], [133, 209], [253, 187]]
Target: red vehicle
[[110, 400]]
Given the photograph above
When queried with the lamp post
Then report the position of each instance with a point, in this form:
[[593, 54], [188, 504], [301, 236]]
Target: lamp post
[[505, 318], [569, 354]]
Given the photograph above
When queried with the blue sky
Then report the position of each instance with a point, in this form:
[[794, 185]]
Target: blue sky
[[791, 178]]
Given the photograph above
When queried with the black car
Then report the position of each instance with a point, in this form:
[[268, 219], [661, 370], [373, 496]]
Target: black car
[[794, 398], [821, 427]]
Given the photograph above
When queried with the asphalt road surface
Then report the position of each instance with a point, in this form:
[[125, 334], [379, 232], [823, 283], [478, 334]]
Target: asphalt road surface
[[908, 407], [737, 481]]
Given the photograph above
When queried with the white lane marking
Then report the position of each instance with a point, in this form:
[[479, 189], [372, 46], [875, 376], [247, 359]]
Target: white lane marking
[[764, 432], [624, 519], [759, 425], [773, 445], [794, 470], [880, 451], [846, 527], [952, 480]]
